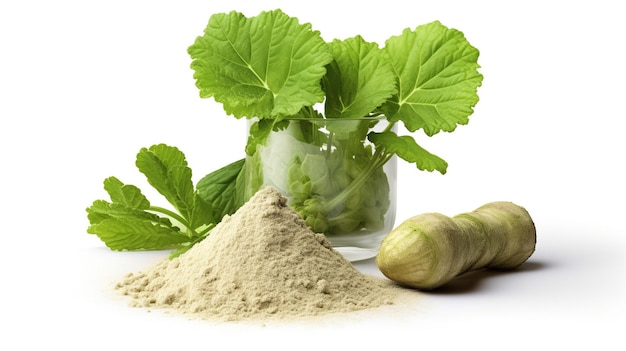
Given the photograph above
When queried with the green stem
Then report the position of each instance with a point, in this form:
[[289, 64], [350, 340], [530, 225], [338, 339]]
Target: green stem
[[175, 216]]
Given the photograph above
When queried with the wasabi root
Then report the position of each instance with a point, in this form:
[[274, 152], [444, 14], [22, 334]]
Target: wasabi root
[[429, 250]]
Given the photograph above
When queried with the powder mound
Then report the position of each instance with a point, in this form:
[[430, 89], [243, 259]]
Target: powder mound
[[261, 262]]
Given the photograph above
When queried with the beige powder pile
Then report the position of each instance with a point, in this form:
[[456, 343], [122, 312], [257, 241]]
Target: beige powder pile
[[261, 262]]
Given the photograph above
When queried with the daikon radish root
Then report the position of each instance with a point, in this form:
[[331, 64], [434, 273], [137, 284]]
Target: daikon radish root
[[429, 250]]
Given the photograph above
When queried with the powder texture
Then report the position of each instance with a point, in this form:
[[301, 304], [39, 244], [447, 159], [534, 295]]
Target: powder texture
[[261, 262]]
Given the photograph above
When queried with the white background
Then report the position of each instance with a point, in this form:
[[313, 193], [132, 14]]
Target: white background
[[85, 84]]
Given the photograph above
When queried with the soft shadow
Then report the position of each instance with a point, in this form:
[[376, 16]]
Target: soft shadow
[[474, 281], [365, 262], [466, 283]]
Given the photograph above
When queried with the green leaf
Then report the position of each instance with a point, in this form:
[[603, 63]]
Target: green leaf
[[129, 222], [182, 185], [122, 227], [359, 79], [264, 66], [407, 149], [219, 189], [166, 170], [137, 234], [202, 213], [438, 78], [259, 132], [125, 194], [101, 210]]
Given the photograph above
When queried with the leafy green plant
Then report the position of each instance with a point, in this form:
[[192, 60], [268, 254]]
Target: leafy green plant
[[129, 222], [270, 69]]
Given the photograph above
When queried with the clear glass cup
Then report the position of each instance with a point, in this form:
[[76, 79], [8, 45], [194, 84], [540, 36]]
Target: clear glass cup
[[331, 175]]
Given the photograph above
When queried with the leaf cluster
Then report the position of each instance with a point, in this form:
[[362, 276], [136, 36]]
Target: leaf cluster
[[272, 67], [128, 221]]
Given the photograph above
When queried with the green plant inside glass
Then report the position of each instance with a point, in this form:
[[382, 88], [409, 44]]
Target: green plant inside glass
[[275, 72], [338, 167], [332, 176]]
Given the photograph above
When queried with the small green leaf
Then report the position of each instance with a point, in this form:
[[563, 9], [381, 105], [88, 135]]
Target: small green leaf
[[180, 178], [202, 213], [219, 189], [126, 228], [264, 66], [125, 194], [407, 149], [166, 170], [359, 79], [438, 78], [101, 210], [260, 131], [257, 134], [137, 234], [129, 222]]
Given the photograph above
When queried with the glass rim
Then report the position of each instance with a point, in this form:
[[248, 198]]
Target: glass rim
[[365, 118]]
